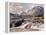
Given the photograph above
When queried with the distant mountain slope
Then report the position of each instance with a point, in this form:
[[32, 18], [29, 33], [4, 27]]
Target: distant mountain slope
[[36, 11]]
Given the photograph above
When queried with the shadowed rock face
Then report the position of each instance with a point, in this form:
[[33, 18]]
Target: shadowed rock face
[[36, 11], [18, 23]]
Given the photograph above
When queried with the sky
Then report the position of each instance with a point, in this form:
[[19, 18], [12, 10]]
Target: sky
[[21, 7]]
